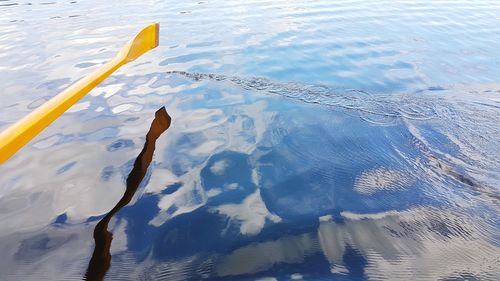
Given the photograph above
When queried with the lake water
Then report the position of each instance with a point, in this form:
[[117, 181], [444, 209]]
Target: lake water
[[309, 140]]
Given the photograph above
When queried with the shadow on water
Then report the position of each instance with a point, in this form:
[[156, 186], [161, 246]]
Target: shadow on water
[[101, 257]]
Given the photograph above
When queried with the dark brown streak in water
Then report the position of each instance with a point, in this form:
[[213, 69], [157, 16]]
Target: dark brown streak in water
[[442, 168], [101, 257]]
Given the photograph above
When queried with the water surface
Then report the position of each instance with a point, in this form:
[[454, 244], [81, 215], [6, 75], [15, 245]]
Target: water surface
[[313, 140]]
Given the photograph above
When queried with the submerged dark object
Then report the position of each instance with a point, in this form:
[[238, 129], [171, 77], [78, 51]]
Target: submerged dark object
[[101, 257]]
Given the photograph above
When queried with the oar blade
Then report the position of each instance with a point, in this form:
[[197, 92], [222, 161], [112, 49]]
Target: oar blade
[[146, 40]]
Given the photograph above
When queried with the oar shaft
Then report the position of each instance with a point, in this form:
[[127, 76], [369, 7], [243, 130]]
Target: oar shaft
[[21, 132]]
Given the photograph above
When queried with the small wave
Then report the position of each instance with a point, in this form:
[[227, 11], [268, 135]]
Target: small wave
[[377, 109], [468, 124]]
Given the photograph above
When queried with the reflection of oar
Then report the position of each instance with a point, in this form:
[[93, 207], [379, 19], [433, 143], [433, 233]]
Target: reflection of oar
[[101, 257], [17, 135]]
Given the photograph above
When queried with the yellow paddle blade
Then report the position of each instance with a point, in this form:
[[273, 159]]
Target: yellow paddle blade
[[144, 41], [21, 132]]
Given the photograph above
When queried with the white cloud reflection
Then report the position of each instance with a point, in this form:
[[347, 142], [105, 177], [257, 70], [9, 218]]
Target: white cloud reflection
[[429, 243], [251, 214]]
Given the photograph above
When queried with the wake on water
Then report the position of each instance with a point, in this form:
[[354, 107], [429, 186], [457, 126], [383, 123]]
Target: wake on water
[[469, 118]]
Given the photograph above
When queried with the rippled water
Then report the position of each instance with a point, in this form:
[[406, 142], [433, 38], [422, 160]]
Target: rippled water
[[314, 140]]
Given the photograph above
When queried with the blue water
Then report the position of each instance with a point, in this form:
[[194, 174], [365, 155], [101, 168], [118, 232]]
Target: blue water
[[310, 140]]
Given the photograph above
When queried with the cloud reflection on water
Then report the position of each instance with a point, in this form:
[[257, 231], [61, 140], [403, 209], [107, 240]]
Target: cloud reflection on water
[[312, 172], [282, 181]]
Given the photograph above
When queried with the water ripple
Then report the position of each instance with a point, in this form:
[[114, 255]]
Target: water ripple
[[320, 140]]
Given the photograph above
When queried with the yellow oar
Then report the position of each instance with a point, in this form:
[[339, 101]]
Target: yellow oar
[[17, 135]]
